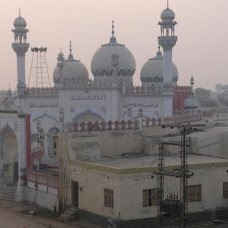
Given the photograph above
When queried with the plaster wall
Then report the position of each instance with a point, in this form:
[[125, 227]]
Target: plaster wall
[[42, 198], [91, 191], [128, 191], [209, 142], [108, 143]]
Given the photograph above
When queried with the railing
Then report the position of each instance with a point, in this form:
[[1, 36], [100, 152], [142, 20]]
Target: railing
[[43, 182]]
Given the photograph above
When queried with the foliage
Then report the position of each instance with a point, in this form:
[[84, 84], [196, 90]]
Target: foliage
[[221, 88], [204, 97]]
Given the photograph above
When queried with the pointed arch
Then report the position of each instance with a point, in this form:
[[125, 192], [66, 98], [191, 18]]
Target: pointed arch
[[88, 116], [9, 155]]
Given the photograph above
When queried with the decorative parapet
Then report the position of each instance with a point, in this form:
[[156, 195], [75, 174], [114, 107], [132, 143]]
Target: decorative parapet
[[42, 91], [142, 90], [182, 89], [87, 83], [132, 125]]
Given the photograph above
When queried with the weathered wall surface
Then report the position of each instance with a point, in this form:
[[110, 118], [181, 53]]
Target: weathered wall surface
[[128, 190], [42, 198]]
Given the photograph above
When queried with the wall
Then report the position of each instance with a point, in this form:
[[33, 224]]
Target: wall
[[42, 198], [91, 190], [109, 143], [209, 142], [128, 190]]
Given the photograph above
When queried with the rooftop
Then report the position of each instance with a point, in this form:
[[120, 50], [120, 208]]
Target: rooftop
[[146, 164], [152, 161]]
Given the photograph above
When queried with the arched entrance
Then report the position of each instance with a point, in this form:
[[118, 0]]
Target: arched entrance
[[9, 155], [88, 116]]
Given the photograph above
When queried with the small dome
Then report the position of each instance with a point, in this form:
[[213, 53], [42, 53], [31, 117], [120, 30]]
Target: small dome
[[191, 103], [113, 59], [167, 15], [152, 70], [69, 70], [20, 22]]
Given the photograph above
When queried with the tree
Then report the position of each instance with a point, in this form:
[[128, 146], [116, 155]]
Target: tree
[[202, 94], [204, 97]]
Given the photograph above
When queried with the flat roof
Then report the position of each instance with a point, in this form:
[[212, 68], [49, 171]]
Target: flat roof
[[152, 161]]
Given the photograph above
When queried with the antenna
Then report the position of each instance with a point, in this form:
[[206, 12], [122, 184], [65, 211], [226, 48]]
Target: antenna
[[39, 70]]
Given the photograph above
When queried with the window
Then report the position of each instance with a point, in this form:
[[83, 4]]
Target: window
[[225, 190], [194, 193], [149, 197], [108, 198]]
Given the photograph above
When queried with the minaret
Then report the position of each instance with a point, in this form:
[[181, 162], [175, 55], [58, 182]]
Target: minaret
[[20, 46], [167, 40]]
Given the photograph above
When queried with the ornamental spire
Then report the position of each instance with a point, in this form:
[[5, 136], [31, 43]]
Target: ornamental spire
[[70, 57], [19, 12], [113, 38], [113, 29], [167, 3]]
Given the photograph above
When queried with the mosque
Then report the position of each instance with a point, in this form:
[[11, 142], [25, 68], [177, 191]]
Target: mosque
[[31, 119], [110, 96]]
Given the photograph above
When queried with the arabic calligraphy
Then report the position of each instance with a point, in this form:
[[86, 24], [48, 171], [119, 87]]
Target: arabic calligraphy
[[141, 105], [88, 97]]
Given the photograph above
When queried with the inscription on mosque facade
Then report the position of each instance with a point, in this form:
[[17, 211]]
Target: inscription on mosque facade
[[94, 97], [141, 105], [43, 105]]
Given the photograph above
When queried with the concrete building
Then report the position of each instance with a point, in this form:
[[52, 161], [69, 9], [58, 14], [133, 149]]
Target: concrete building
[[111, 174]]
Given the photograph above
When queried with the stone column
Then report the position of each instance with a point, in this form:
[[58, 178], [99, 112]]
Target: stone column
[[22, 159]]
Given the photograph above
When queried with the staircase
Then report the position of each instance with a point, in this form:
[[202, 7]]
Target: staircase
[[7, 192]]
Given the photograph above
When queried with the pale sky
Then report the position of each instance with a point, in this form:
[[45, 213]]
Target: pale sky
[[202, 32]]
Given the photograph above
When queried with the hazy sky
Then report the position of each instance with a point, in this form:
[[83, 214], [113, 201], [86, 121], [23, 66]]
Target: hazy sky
[[202, 32]]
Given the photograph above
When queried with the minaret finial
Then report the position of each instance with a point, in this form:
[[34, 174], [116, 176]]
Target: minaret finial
[[70, 47], [192, 82], [19, 12], [113, 28]]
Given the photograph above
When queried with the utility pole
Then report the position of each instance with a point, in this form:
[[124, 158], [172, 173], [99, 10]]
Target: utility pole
[[174, 206]]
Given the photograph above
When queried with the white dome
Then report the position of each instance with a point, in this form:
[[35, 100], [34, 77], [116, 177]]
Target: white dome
[[167, 15], [69, 70], [152, 70], [113, 59], [20, 22]]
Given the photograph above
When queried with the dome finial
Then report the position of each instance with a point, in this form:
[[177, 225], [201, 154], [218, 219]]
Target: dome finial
[[113, 28], [19, 12], [113, 38], [167, 3], [70, 57]]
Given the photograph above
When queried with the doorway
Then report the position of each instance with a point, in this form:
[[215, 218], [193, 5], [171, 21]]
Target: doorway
[[15, 172], [74, 193]]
